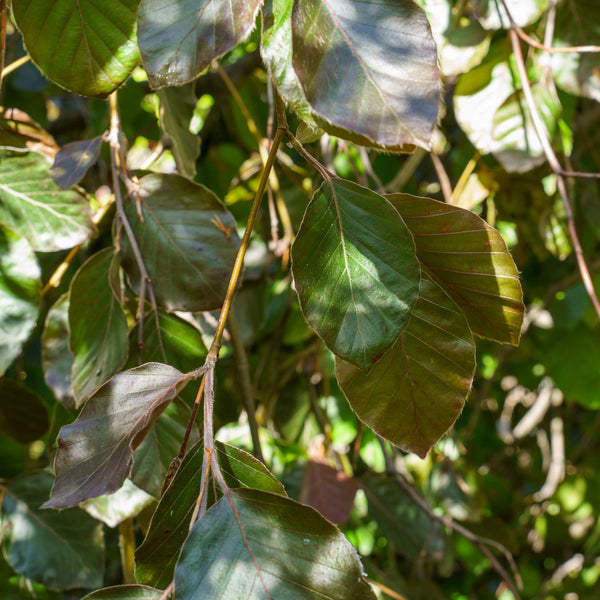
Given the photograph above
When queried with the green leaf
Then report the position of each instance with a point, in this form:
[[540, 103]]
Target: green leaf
[[95, 453], [177, 106], [179, 40], [61, 549], [470, 261], [98, 327], [154, 455], [400, 519], [188, 241], [355, 270], [36, 208], [262, 545], [57, 358], [413, 395], [125, 592], [19, 294], [87, 47], [73, 160], [23, 414], [158, 554], [368, 67]]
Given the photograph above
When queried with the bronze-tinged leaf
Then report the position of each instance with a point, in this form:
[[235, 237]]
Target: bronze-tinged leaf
[[471, 262], [415, 393], [95, 453], [73, 160]]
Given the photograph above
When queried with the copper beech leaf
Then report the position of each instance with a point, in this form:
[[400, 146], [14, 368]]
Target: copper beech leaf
[[87, 47], [36, 208], [356, 271], [257, 545], [413, 395], [73, 160], [188, 242], [368, 67], [98, 327], [156, 558], [95, 453], [178, 40], [469, 259]]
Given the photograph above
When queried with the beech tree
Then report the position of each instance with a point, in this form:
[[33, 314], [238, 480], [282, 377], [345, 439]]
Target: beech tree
[[258, 258]]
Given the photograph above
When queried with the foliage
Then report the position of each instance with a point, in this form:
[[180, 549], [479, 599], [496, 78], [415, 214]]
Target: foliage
[[391, 421]]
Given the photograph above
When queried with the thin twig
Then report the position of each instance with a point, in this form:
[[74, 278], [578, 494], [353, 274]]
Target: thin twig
[[554, 164], [443, 178], [243, 368]]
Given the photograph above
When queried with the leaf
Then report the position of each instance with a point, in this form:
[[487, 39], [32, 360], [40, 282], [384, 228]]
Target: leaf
[[125, 592], [154, 455], [188, 241], [36, 208], [400, 519], [57, 358], [413, 395], [368, 67], [262, 545], [156, 557], [62, 549], [355, 271], [177, 106], [87, 47], [115, 508], [470, 261], [179, 40], [19, 294], [73, 160], [98, 327], [18, 131], [95, 453], [23, 414]]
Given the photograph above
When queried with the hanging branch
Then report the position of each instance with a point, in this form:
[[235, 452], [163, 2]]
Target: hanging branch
[[553, 161]]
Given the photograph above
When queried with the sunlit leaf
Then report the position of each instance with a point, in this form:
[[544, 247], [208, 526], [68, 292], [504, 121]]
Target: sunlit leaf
[[157, 556], [95, 453], [23, 414], [355, 271], [188, 241], [368, 67], [263, 545], [35, 207], [18, 131], [177, 106], [161, 444], [413, 395], [125, 592], [87, 47], [469, 259], [73, 160], [19, 294], [61, 549], [97, 325], [179, 40]]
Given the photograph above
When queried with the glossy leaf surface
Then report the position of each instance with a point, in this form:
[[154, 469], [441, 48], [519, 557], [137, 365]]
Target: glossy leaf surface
[[87, 47], [125, 592], [73, 160], [413, 395], [23, 414], [469, 259], [19, 294], [355, 271], [61, 549], [188, 241], [95, 453], [178, 40], [264, 545], [98, 327], [368, 67], [158, 554], [35, 207]]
